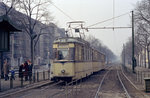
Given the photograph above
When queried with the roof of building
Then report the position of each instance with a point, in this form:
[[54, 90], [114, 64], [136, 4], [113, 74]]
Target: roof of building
[[7, 24]]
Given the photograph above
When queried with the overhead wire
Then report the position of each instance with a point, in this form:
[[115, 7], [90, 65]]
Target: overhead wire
[[115, 42], [108, 19], [62, 12]]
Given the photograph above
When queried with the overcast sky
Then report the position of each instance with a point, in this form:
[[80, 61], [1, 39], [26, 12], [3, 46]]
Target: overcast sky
[[93, 11]]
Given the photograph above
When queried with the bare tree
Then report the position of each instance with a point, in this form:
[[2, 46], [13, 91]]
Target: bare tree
[[96, 43], [142, 19], [35, 12], [8, 5]]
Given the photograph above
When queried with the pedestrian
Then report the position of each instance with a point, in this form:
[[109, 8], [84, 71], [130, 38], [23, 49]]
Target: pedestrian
[[21, 70], [30, 69], [12, 73], [6, 70], [26, 72]]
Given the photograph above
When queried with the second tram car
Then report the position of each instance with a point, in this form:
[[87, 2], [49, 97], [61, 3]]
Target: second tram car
[[75, 59]]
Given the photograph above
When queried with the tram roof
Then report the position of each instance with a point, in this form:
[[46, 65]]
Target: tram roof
[[73, 40], [70, 40]]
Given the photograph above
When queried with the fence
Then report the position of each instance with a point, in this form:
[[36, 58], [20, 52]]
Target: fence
[[17, 81], [138, 75]]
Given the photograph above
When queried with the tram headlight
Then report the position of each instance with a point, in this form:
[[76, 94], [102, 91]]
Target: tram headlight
[[63, 71]]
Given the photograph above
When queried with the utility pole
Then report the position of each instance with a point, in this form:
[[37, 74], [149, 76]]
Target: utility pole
[[124, 55], [133, 58]]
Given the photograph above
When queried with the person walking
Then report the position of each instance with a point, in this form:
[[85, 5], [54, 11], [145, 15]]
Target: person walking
[[6, 70], [30, 69], [26, 72], [21, 70]]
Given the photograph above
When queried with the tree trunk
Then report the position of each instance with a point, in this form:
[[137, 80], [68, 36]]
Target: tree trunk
[[148, 59], [145, 57], [32, 52]]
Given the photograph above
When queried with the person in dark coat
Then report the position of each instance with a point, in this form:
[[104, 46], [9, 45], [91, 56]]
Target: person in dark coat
[[21, 70], [26, 72], [6, 70], [30, 69]]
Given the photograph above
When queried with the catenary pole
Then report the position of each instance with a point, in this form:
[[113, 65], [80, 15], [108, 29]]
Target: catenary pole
[[133, 58]]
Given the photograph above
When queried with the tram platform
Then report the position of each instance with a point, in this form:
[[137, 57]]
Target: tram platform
[[138, 77]]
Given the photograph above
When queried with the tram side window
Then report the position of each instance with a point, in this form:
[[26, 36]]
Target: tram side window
[[78, 53], [72, 54], [55, 54]]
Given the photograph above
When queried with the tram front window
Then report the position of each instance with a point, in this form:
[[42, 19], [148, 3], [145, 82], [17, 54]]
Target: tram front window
[[63, 54]]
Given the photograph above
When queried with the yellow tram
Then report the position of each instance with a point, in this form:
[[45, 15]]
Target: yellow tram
[[75, 59]]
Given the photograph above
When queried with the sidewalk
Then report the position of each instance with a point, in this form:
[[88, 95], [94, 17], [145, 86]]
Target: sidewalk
[[138, 77], [10, 87], [25, 88], [40, 75]]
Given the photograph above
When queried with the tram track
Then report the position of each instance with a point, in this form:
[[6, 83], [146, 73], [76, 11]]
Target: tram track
[[88, 86], [110, 83], [129, 90], [126, 92], [96, 95]]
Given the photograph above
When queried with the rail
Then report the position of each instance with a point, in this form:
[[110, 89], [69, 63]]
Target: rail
[[127, 94], [96, 95]]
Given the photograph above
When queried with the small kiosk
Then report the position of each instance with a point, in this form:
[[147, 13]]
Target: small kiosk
[[6, 28]]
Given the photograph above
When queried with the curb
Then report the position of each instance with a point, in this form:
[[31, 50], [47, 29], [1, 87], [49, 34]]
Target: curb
[[28, 87]]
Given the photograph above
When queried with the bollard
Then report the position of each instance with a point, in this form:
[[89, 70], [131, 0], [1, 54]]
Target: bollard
[[138, 76], [11, 82], [72, 89], [34, 77], [141, 77], [43, 75], [76, 87], [37, 76], [30, 77], [21, 81], [48, 74], [81, 82], [0, 83]]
